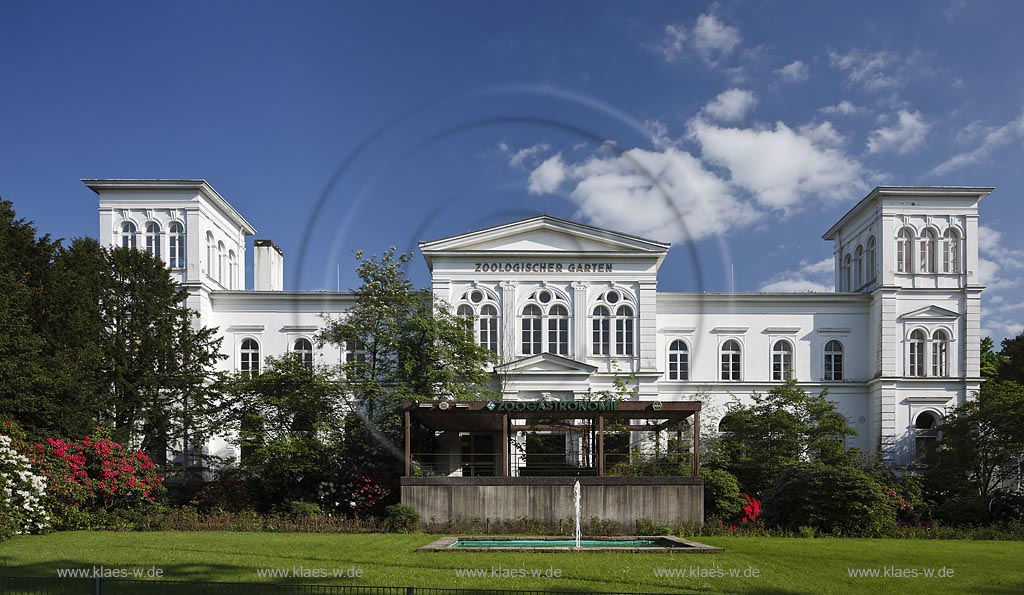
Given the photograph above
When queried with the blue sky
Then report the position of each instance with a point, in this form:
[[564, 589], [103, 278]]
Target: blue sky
[[764, 121]]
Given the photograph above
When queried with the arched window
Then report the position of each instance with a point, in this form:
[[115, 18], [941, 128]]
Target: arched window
[[489, 327], [304, 348], [232, 282], [858, 268], [846, 273], [926, 438], [153, 238], [602, 330], [731, 360], [940, 353], [727, 425], [833, 360], [558, 330], [782, 361], [249, 362], [870, 273], [355, 351], [624, 330], [465, 311], [904, 250], [128, 232], [678, 361], [927, 251], [221, 273], [532, 332], [211, 254], [917, 341], [950, 251], [177, 245]]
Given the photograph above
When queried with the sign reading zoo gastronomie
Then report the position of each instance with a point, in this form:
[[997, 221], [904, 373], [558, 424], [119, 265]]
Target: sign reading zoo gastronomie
[[543, 267], [553, 405]]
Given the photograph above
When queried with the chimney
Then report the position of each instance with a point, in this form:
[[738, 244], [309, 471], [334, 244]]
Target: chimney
[[268, 266]]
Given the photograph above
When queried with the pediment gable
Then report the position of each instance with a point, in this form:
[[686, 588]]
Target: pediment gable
[[546, 234], [545, 363], [930, 313]]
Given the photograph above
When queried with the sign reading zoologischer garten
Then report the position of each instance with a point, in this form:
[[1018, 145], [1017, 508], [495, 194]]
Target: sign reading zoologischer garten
[[543, 267], [553, 405]]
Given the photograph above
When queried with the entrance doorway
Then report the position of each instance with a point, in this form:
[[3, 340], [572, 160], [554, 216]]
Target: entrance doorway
[[478, 454]]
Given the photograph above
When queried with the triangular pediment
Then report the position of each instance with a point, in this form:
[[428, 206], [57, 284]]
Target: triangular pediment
[[546, 234], [931, 313], [545, 363]]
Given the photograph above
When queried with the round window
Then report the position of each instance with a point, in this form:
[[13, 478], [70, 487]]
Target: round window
[[544, 296], [477, 296], [612, 297]]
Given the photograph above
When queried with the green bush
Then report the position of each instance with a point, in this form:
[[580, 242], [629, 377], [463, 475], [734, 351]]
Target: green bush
[[402, 518], [722, 498], [652, 527], [303, 510], [838, 500]]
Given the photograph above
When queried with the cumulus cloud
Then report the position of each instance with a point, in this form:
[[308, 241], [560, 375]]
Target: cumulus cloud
[[823, 134], [844, 107], [781, 167], [713, 39], [516, 158], [871, 70], [673, 42], [730, 105], [666, 195], [795, 71], [992, 138], [808, 276], [907, 134], [659, 134], [1000, 265]]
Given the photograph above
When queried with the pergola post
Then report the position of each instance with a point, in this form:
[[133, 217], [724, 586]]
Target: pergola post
[[696, 443], [600, 445], [408, 444], [506, 467]]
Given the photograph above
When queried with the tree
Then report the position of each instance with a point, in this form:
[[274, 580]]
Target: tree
[[1012, 359], [157, 370], [400, 344], [991, 362], [783, 427], [983, 440]]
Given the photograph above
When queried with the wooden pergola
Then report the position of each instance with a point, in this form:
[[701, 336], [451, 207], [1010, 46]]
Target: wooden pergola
[[496, 417]]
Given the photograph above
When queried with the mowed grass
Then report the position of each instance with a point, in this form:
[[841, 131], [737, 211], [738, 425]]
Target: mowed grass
[[783, 566]]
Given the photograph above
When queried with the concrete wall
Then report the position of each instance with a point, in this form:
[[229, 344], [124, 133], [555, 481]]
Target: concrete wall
[[550, 499]]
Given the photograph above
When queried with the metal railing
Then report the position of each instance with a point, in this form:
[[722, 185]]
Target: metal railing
[[13, 585]]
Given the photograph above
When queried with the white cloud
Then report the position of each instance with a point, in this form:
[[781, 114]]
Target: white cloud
[[713, 39], [548, 176], [781, 167], [992, 138], [794, 71], [730, 105], [673, 43], [868, 69], [907, 134], [659, 134], [809, 276], [844, 107], [999, 264], [667, 195], [516, 158], [823, 134]]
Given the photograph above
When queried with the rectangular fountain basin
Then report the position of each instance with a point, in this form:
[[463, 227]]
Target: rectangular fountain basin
[[636, 544]]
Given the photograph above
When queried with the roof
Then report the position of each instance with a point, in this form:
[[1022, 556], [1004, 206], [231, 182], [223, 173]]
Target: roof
[[906, 191]]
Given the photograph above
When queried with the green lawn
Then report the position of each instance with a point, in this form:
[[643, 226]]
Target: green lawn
[[785, 566]]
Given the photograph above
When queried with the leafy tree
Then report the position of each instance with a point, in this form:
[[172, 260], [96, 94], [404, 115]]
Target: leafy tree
[[991, 362], [982, 441], [1012, 359], [783, 427], [289, 420]]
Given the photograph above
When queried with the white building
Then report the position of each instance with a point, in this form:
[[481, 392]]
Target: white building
[[570, 307]]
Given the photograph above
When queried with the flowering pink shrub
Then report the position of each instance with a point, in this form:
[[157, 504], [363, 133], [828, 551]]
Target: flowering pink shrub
[[748, 514], [94, 475], [365, 495]]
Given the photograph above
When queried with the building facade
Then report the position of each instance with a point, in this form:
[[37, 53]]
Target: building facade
[[570, 308]]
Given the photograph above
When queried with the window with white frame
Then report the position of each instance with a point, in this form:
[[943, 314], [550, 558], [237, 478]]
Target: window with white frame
[[614, 324], [304, 349], [355, 352], [858, 268], [833, 360], [624, 325], [731, 354], [153, 238], [940, 353], [846, 281], [211, 254], [782, 360], [480, 310], [488, 327], [221, 278], [602, 321], [249, 357], [533, 331], [916, 346], [927, 264], [871, 264], [950, 251], [904, 250], [558, 330], [926, 438], [678, 360], [232, 282], [128, 231], [176, 245]]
